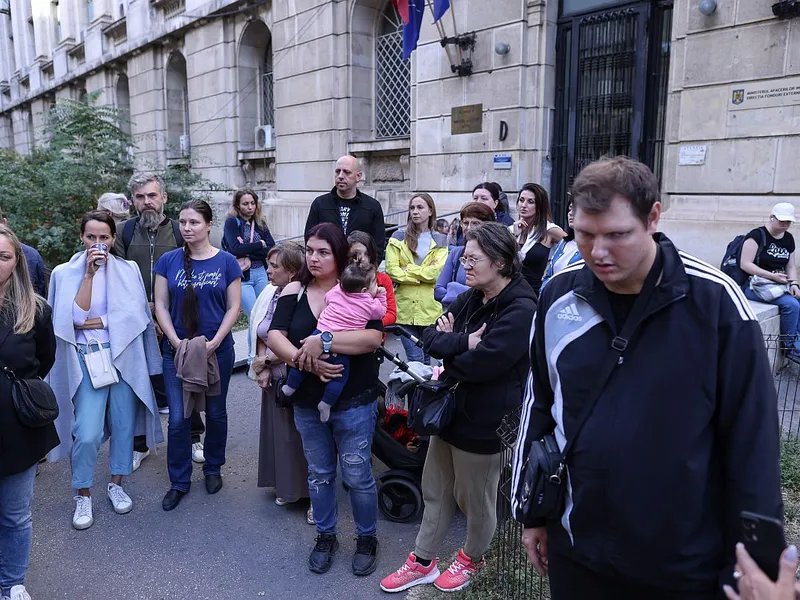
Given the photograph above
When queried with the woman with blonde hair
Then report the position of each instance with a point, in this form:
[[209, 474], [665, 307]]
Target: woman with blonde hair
[[28, 348], [247, 237], [117, 205], [414, 259]]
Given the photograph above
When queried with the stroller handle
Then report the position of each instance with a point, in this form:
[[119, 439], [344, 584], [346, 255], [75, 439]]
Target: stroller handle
[[398, 330], [401, 364]]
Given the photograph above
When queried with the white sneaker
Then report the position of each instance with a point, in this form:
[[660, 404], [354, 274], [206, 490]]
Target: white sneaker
[[121, 501], [163, 411], [138, 457], [82, 519], [18, 592], [197, 452]]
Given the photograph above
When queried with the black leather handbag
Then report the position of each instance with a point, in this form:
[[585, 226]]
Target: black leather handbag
[[433, 405], [33, 399], [544, 479]]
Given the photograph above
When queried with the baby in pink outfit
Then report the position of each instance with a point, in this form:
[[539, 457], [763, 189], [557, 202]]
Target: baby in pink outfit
[[348, 307]]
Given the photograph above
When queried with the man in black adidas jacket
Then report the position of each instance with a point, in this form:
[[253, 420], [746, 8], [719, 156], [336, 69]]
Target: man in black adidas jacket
[[682, 437]]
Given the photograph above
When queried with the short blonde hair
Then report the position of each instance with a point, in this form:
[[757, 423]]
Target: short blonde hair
[[116, 204]]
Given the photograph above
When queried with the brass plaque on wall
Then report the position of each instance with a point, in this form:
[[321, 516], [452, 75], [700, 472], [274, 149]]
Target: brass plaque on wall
[[466, 119]]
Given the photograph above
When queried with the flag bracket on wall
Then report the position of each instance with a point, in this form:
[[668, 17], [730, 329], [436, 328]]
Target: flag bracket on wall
[[464, 42]]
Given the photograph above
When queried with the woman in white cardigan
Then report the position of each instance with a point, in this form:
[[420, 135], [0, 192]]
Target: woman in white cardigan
[[281, 462], [103, 324]]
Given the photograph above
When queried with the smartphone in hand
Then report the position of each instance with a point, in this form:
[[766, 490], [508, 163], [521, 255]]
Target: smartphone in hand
[[763, 539]]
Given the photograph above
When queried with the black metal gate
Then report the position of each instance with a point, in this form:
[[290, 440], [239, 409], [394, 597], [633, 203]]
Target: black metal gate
[[612, 76]]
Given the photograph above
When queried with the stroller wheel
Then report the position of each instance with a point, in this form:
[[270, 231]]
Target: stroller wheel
[[399, 499]]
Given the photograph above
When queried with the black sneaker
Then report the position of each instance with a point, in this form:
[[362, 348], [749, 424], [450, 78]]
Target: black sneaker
[[365, 560], [321, 556]]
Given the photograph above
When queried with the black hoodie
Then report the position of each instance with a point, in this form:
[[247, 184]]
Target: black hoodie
[[492, 375]]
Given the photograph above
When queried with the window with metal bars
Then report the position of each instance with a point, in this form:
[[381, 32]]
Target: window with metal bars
[[392, 78], [267, 90]]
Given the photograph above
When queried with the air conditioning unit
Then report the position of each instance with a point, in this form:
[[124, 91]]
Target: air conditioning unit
[[186, 146], [265, 137]]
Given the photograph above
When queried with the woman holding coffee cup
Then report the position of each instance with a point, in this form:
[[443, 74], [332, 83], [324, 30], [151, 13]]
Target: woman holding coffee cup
[[106, 350]]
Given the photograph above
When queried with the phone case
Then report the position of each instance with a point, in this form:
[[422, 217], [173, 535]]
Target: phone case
[[763, 539]]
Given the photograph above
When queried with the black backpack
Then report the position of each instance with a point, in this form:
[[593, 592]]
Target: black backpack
[[130, 227], [733, 255]]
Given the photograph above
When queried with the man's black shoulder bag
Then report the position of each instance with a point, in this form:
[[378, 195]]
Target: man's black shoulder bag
[[544, 479]]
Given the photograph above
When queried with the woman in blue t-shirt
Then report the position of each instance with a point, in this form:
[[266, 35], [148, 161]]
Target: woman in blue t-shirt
[[198, 291]]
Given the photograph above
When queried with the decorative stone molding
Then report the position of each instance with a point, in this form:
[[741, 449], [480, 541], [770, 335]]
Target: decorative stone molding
[[117, 32]]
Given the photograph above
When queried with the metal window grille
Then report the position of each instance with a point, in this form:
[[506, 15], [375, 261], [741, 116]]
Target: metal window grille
[[392, 79], [267, 91], [658, 88]]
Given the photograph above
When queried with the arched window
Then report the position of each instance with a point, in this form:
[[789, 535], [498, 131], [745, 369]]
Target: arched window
[[124, 103], [254, 72], [392, 78], [177, 107], [267, 84]]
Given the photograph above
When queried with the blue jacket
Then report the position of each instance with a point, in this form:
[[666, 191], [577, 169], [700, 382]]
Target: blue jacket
[[452, 280], [234, 228], [35, 269], [558, 251]]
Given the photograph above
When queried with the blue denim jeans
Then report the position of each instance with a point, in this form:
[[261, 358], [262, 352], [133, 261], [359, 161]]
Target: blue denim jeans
[[119, 403], [16, 494], [179, 437], [413, 352], [252, 288], [351, 432], [789, 308]]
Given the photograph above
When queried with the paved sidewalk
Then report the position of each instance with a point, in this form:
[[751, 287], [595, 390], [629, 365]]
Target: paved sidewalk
[[236, 545]]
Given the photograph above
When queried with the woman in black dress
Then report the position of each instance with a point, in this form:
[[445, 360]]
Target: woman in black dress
[[536, 234]]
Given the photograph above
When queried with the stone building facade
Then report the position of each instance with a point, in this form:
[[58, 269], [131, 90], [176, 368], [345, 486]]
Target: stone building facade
[[268, 93]]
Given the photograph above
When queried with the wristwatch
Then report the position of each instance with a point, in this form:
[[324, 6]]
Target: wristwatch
[[327, 340]]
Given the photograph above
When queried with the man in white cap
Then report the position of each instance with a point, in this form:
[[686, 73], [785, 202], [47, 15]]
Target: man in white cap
[[768, 257]]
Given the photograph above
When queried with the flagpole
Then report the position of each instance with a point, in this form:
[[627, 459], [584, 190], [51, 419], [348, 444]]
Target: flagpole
[[442, 32], [455, 29]]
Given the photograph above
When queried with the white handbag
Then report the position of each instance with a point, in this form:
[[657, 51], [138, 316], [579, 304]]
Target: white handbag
[[98, 363]]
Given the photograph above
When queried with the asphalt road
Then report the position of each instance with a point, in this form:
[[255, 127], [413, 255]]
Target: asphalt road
[[234, 545]]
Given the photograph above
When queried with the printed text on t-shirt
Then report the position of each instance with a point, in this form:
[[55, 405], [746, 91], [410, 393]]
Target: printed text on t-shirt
[[200, 279], [778, 252]]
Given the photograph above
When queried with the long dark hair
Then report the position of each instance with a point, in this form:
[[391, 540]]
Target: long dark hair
[[543, 214], [190, 317], [412, 233], [366, 240], [103, 217], [327, 232]]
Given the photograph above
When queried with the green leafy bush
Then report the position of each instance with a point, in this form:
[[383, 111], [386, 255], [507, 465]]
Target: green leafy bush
[[86, 154]]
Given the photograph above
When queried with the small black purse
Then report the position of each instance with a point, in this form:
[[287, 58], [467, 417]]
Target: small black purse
[[432, 407], [33, 399]]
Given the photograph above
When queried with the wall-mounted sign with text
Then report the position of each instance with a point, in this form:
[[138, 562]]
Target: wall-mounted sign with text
[[466, 119], [765, 94]]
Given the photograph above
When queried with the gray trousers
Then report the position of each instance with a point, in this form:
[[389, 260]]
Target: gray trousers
[[451, 478]]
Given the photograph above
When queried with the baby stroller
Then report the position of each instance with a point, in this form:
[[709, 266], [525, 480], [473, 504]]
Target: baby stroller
[[398, 446]]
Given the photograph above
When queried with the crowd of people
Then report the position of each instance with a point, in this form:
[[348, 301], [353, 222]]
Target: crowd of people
[[643, 366]]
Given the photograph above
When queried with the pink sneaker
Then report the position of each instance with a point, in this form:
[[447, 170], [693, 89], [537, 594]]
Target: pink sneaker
[[410, 574], [458, 574]]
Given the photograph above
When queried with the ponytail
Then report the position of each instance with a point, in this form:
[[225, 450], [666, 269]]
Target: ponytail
[[189, 316]]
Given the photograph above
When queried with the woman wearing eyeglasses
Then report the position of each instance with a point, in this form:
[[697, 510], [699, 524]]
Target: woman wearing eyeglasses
[[453, 280], [483, 341]]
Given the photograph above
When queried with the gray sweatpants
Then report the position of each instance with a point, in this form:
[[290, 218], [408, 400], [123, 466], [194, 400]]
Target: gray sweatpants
[[453, 477]]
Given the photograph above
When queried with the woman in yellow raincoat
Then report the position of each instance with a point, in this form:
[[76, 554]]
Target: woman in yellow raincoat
[[414, 259]]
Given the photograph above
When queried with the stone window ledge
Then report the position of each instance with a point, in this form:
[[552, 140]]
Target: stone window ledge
[[389, 145], [255, 155]]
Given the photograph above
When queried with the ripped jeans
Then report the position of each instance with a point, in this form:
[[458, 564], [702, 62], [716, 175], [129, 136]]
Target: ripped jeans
[[351, 432]]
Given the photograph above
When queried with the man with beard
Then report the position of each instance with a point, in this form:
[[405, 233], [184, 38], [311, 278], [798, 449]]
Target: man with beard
[[144, 239]]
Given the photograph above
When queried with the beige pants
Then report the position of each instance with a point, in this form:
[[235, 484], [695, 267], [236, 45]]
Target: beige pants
[[453, 477]]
